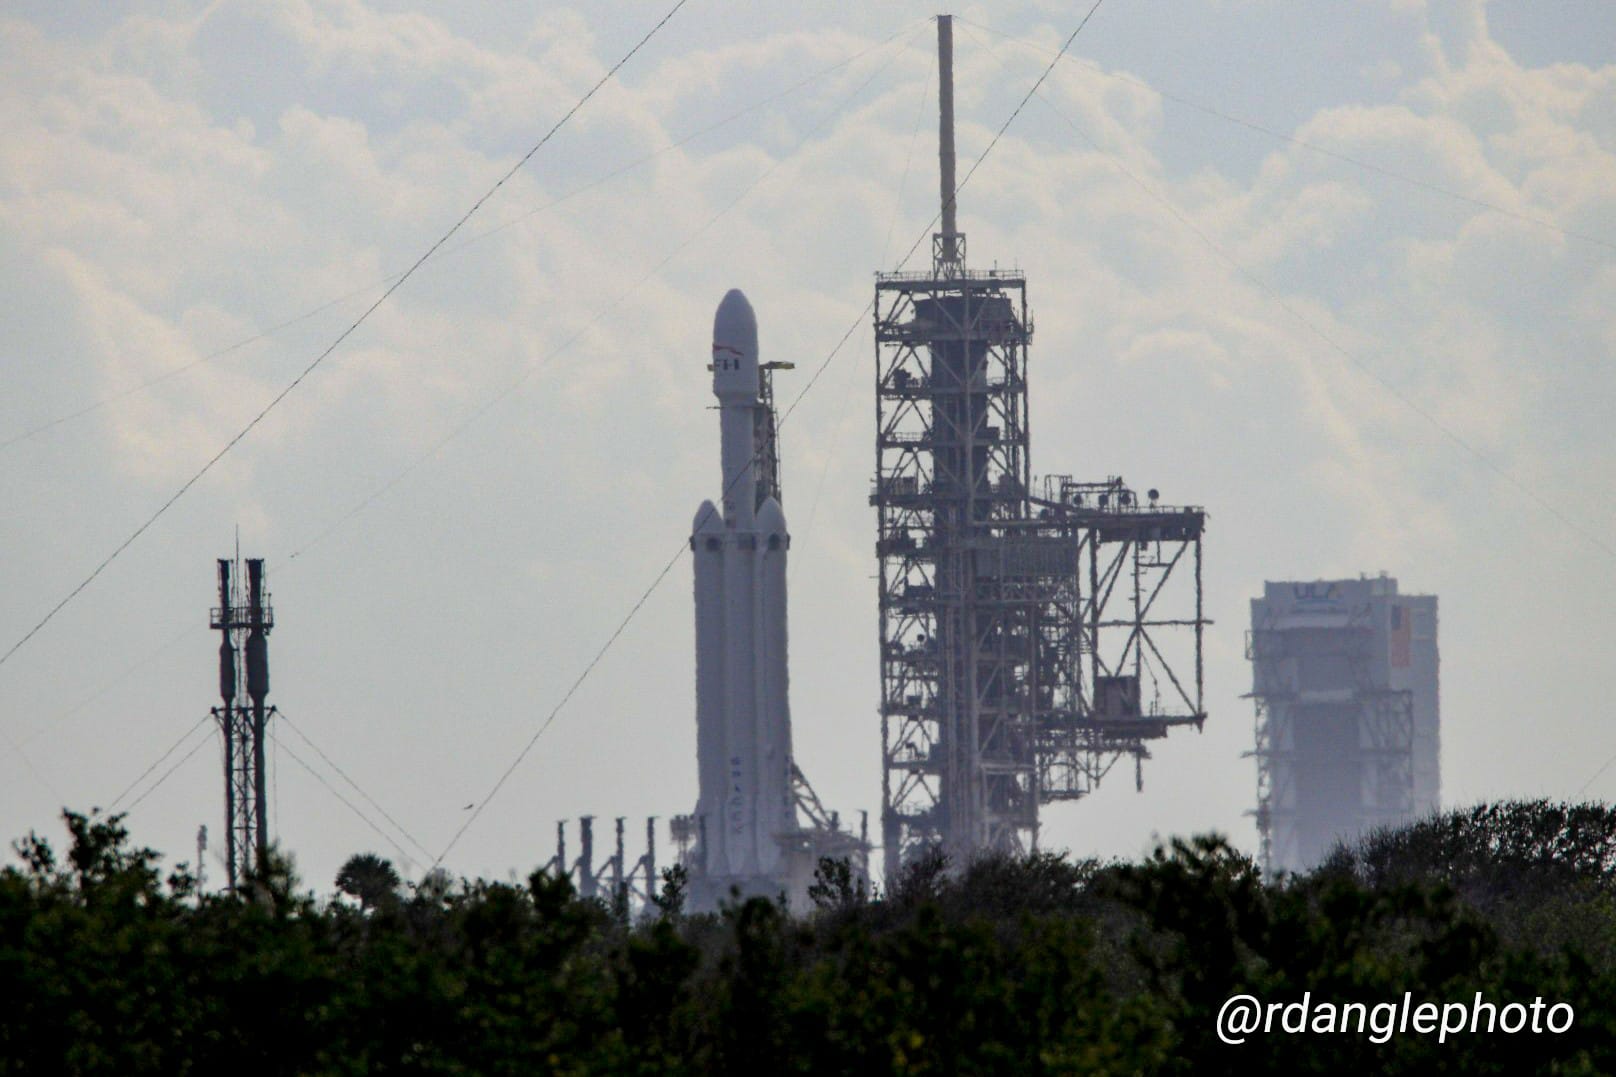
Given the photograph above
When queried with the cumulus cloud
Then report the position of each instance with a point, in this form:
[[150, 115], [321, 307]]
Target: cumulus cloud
[[1246, 329]]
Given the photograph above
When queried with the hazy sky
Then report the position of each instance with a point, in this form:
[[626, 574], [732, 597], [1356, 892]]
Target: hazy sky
[[1341, 273]]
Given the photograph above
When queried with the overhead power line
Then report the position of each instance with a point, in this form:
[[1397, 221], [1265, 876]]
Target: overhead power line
[[533, 367], [469, 241], [18, 747], [833, 447], [172, 748], [367, 820], [17, 750], [1329, 342], [908, 159], [341, 337], [283, 720], [1596, 775], [169, 773], [667, 567], [1312, 147], [140, 664]]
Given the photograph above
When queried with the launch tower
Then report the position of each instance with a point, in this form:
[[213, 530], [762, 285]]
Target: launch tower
[[1021, 626]]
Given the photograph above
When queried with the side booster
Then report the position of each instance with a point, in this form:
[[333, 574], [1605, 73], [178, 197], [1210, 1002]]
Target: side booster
[[743, 717]]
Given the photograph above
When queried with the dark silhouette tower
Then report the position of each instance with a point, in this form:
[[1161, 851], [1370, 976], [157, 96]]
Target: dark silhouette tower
[[243, 619]]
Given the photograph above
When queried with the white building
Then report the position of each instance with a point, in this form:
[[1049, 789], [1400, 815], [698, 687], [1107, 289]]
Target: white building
[[1344, 675]]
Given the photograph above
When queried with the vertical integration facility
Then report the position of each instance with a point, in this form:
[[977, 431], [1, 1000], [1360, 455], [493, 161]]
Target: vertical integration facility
[[1344, 676], [1032, 634]]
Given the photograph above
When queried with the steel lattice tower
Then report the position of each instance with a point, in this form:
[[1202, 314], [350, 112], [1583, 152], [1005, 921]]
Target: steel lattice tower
[[1017, 631], [243, 619], [951, 448]]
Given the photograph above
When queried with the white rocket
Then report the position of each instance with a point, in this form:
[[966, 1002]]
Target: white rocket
[[743, 717]]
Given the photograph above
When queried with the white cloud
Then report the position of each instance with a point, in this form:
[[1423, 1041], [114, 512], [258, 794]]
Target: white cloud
[[173, 212]]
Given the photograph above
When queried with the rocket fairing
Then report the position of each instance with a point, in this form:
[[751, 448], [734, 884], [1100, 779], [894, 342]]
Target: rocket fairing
[[743, 717]]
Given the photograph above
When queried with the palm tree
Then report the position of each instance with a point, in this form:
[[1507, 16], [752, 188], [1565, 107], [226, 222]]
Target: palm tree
[[369, 878]]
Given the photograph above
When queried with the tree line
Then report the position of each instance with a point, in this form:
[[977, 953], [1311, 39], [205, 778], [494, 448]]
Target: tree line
[[1008, 964]]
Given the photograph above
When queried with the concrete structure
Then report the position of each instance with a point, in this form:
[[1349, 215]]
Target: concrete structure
[[1344, 676]]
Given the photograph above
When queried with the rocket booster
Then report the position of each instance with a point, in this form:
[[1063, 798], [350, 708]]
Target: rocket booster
[[735, 383], [743, 719]]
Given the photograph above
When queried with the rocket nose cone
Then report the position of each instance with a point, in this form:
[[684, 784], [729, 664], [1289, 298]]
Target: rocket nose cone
[[735, 326], [771, 519], [708, 518]]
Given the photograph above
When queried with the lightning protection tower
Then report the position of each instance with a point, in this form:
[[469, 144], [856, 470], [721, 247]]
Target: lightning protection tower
[[243, 619], [1019, 632]]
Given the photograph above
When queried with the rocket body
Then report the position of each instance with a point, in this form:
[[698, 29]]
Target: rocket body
[[743, 719]]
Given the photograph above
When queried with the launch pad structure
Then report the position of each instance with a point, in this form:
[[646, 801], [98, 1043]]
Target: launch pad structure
[[1033, 631], [758, 828], [1020, 625]]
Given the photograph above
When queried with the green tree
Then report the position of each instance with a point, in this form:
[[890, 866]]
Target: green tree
[[369, 879]]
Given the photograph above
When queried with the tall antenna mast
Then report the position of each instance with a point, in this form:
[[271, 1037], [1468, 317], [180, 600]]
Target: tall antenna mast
[[949, 251], [1020, 629], [243, 619]]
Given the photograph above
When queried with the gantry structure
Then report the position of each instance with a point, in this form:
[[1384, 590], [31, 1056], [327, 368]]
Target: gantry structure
[[1024, 631]]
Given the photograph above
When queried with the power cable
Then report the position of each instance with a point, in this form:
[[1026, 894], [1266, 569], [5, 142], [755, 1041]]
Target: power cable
[[287, 722], [157, 762], [1407, 401], [533, 367], [404, 855], [1367, 166], [371, 800], [1596, 774], [27, 761], [156, 380], [958, 187], [298, 380], [167, 774], [135, 667], [908, 160], [456, 248], [833, 450], [662, 574]]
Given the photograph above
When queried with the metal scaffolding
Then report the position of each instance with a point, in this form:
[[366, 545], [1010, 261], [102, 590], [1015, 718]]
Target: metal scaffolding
[[1017, 632], [615, 880], [243, 619]]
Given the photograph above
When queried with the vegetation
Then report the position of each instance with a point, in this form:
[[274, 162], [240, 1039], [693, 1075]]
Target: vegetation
[[1033, 964]]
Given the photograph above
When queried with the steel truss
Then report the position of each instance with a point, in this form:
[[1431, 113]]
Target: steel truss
[[1016, 631], [243, 619]]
